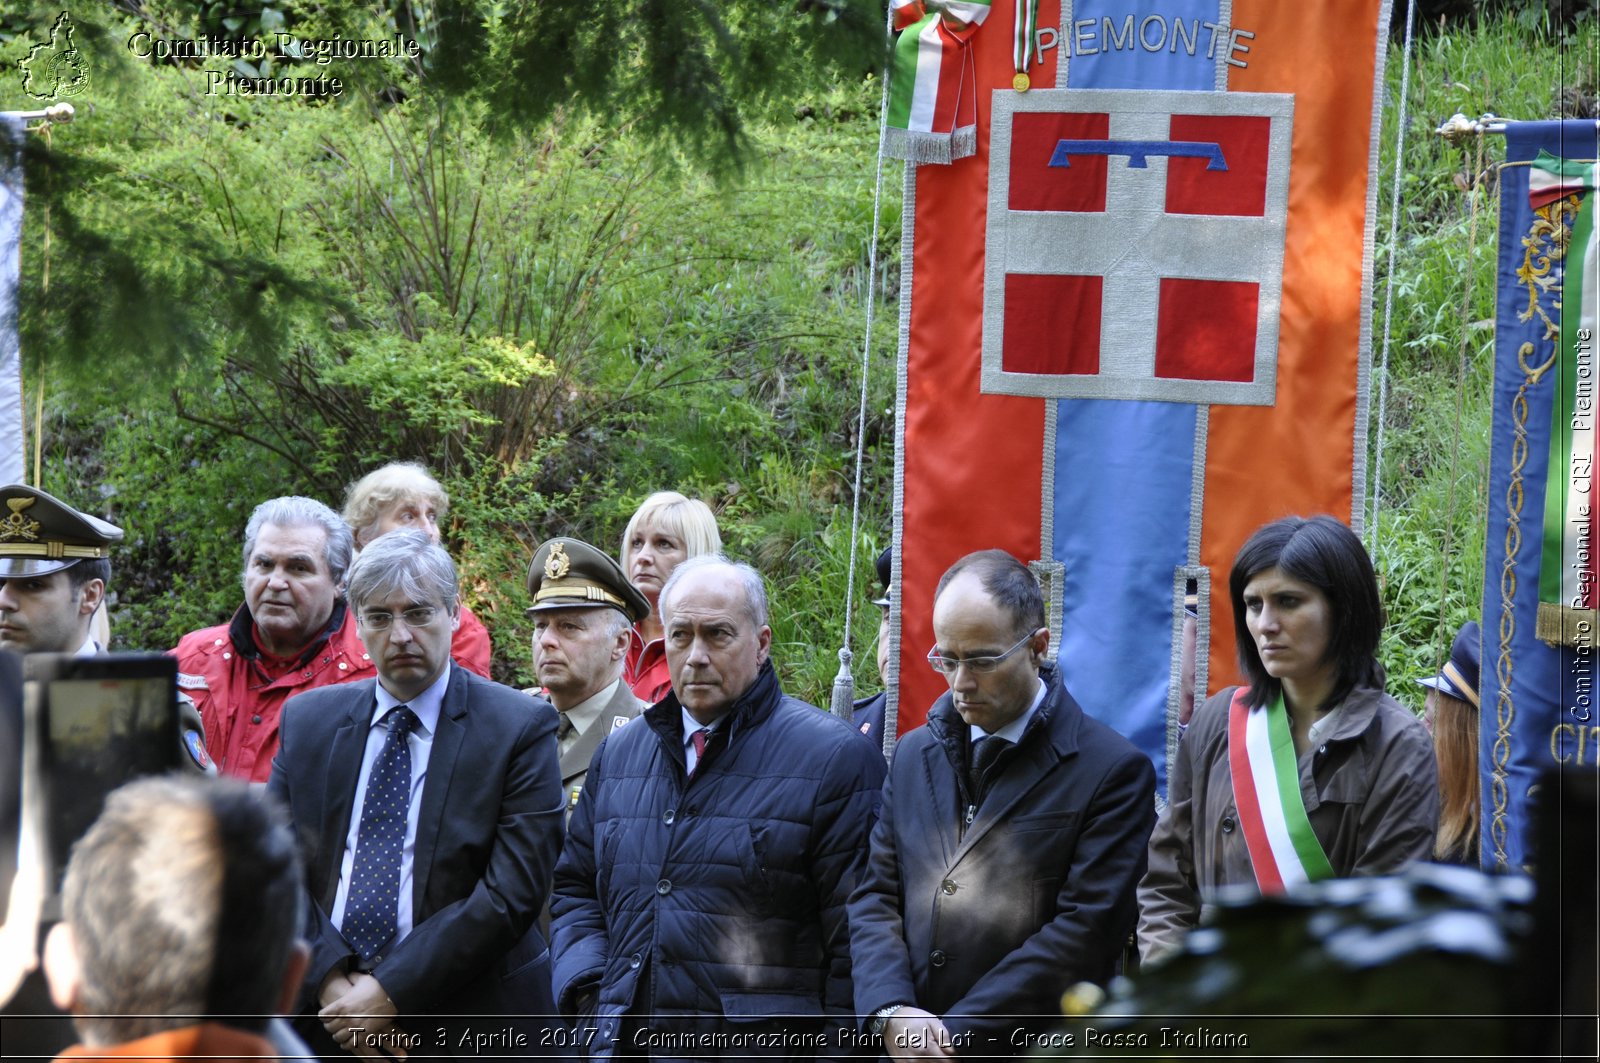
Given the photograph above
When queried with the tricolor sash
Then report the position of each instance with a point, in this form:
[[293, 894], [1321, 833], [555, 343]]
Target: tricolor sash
[[933, 92], [1266, 791], [1562, 191]]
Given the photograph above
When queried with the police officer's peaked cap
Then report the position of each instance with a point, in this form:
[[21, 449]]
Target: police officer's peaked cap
[[1459, 676], [885, 571], [571, 574], [40, 534]]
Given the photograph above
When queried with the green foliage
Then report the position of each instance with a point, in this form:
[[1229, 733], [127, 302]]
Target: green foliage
[[693, 72], [557, 323], [1429, 534], [559, 316]]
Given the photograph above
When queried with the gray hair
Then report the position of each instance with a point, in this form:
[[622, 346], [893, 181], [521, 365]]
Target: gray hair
[[405, 562], [370, 497], [755, 590], [297, 511], [615, 622], [184, 898]]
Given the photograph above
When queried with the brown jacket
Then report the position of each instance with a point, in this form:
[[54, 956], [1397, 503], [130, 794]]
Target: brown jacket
[[1371, 792]]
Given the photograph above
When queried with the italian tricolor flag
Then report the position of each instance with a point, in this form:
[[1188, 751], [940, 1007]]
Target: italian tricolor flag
[[933, 95], [1568, 568], [1266, 792]]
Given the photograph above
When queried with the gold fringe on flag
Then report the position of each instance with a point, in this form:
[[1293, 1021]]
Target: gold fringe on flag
[[1565, 625]]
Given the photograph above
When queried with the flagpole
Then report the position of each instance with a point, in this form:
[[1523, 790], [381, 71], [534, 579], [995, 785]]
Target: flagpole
[[58, 113], [1459, 125]]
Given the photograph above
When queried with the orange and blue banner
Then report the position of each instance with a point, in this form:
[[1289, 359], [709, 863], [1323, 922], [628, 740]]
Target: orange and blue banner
[[1537, 703], [1135, 325]]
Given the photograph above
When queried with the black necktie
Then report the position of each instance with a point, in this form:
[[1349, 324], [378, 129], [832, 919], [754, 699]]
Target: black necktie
[[985, 751], [373, 902], [564, 728]]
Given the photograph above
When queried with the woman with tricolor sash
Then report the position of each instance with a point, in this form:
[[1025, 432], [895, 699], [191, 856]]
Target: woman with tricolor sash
[[1308, 772]]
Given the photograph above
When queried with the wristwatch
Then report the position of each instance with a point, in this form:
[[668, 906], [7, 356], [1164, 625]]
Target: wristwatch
[[881, 1017]]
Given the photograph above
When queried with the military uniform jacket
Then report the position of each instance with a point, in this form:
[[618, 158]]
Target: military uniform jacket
[[986, 922], [575, 761]]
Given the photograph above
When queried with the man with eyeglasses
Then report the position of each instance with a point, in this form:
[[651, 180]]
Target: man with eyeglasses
[[430, 804], [1011, 839]]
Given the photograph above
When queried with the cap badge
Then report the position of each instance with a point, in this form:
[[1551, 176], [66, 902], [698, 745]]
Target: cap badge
[[557, 564], [17, 526]]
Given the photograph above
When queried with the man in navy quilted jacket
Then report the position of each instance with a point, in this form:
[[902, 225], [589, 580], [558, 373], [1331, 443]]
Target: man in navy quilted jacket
[[699, 904]]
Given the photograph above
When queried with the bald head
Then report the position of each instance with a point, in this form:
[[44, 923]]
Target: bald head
[[714, 614]]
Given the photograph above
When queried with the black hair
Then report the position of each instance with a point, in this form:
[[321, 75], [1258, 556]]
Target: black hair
[[89, 568], [1325, 553]]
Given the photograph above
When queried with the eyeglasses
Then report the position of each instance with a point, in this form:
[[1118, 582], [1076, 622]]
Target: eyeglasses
[[975, 665], [421, 616]]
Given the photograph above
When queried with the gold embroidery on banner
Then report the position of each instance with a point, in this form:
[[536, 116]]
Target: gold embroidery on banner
[[1542, 248], [18, 526]]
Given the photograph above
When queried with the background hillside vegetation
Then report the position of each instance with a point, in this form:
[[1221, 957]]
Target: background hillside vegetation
[[228, 298]]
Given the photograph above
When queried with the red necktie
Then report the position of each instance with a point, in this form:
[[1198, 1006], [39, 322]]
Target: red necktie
[[698, 740]]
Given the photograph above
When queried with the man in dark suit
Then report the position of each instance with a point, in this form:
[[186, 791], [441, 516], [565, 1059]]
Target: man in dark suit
[[583, 607], [429, 804], [1011, 839]]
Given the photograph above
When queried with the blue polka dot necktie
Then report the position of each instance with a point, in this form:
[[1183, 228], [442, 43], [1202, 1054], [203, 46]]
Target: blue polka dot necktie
[[373, 902]]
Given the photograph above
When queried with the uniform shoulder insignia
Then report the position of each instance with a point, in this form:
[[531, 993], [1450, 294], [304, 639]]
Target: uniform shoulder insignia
[[619, 722], [197, 752]]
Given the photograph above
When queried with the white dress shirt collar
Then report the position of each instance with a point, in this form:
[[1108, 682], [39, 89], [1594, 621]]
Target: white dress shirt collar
[[1013, 730]]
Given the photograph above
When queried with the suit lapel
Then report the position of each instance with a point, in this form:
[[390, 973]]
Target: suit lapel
[[1031, 763], [1053, 740], [447, 741], [945, 800], [343, 771]]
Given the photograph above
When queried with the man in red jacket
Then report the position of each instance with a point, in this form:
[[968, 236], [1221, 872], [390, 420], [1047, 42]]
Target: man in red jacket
[[291, 634]]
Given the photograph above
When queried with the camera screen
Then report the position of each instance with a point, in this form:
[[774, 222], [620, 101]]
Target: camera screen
[[103, 733]]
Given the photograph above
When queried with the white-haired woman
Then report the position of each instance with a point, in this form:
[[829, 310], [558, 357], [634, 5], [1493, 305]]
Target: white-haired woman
[[403, 494]]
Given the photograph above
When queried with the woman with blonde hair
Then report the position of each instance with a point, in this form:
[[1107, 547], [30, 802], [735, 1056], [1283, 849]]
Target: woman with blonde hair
[[1451, 714], [404, 495], [667, 529]]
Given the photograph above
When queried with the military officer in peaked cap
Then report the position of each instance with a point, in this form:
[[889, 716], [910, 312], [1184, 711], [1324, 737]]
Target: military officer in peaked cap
[[583, 608], [54, 568]]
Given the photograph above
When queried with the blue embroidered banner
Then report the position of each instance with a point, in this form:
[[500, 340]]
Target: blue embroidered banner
[[1537, 697]]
